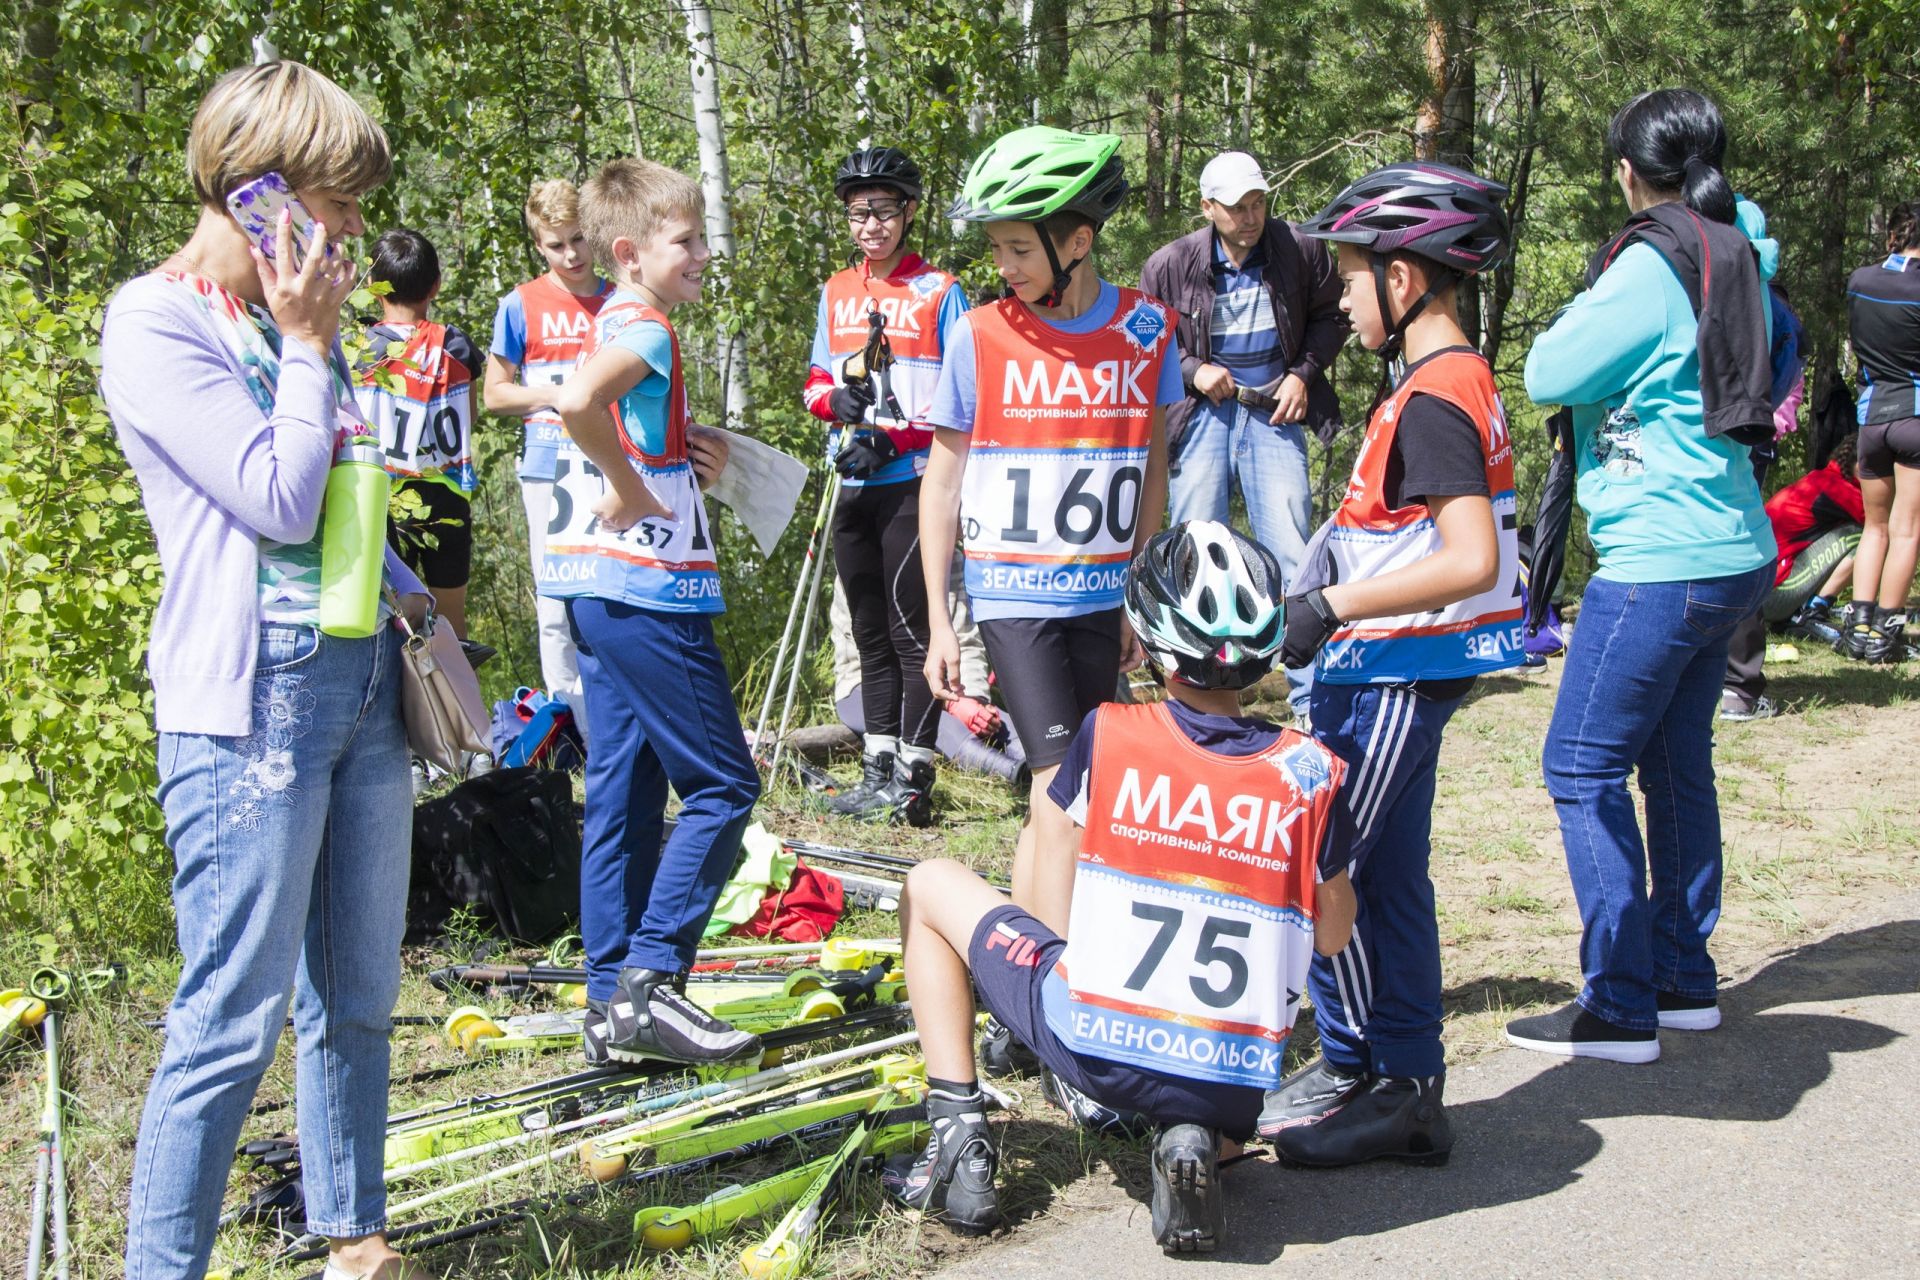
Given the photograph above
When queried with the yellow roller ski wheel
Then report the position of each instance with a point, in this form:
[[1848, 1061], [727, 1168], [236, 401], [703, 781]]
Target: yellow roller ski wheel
[[819, 1005], [571, 994], [601, 1168], [657, 1230], [468, 1026], [804, 981], [840, 955], [778, 1263]]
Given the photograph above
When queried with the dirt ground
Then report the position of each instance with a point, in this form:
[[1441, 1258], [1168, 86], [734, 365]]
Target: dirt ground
[[1821, 812]]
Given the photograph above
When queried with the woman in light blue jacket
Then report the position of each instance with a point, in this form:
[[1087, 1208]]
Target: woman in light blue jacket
[[1664, 362]]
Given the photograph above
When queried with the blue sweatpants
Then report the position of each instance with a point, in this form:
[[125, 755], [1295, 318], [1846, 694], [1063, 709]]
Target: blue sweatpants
[[1377, 1003], [662, 712]]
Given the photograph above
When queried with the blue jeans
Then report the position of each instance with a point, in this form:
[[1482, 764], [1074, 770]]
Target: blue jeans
[[1230, 442], [663, 712], [1377, 1001], [1640, 691], [291, 852]]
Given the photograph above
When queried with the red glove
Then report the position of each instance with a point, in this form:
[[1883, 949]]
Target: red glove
[[980, 718]]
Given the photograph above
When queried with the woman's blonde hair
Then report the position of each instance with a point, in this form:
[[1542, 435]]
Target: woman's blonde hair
[[287, 118]]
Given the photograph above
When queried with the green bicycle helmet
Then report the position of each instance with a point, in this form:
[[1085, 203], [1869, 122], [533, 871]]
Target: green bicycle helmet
[[1033, 173]]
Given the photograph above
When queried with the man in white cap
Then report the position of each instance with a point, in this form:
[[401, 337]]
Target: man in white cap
[[1259, 323]]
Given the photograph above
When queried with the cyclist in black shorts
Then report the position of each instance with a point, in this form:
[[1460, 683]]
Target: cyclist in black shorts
[[877, 350], [1883, 313]]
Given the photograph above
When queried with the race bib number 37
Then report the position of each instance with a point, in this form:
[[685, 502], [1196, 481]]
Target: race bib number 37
[[663, 563]]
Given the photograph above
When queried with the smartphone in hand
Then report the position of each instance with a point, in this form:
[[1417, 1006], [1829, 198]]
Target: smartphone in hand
[[256, 207]]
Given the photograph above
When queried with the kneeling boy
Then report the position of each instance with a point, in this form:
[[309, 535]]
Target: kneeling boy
[[1197, 902]]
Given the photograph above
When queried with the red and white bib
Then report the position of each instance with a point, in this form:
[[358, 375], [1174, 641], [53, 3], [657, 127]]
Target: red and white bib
[[558, 326], [1193, 900], [667, 563], [425, 424], [1051, 494], [1366, 538]]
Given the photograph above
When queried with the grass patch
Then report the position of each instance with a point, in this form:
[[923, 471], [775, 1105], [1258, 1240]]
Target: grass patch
[[1818, 813]]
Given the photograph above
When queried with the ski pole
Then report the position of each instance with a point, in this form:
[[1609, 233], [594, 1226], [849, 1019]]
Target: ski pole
[[819, 566], [752, 1084], [51, 987], [827, 494]]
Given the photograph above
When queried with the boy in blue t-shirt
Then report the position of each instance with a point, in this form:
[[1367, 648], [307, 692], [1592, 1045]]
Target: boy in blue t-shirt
[[630, 550]]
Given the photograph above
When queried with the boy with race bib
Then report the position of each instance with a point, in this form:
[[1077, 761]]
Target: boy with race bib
[[630, 552], [876, 357], [1211, 854], [416, 391], [1049, 462], [1408, 593], [538, 334]]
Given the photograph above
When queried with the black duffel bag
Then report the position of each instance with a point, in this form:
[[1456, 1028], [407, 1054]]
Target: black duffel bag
[[506, 843]]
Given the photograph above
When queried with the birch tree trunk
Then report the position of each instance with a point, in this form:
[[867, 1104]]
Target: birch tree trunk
[[714, 188], [862, 89]]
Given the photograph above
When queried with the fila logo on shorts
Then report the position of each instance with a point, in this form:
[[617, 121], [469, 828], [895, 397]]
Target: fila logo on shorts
[[426, 425], [665, 563], [1193, 901], [1366, 538], [1051, 493]]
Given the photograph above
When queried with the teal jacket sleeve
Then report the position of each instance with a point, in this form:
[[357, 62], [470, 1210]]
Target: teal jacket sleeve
[[1597, 347]]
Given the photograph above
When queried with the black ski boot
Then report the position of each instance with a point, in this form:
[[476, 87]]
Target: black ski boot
[[1309, 1096], [911, 792], [1398, 1116], [876, 775], [1886, 640], [650, 1019], [1189, 1213], [953, 1177], [1002, 1055], [1856, 625]]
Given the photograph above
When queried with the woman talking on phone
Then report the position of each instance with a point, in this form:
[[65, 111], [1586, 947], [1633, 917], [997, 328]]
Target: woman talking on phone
[[282, 759]]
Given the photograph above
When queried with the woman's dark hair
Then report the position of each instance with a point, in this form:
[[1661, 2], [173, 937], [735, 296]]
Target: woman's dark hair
[[1675, 141], [406, 260], [1903, 227], [1847, 453]]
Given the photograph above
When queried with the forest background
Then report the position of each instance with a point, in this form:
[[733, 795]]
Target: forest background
[[763, 98]]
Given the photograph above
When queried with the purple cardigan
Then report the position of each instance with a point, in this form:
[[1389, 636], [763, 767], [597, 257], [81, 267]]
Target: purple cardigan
[[216, 475]]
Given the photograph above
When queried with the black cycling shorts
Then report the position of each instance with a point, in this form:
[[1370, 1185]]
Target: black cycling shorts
[[1882, 444], [446, 519], [1052, 671]]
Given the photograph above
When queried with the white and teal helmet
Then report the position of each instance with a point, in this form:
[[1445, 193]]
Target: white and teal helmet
[[1207, 605]]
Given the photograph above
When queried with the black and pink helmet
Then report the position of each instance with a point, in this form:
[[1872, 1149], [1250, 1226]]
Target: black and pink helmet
[[1444, 214]]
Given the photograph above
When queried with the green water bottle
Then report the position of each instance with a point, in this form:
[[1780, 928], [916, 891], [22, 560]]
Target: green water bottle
[[353, 545]]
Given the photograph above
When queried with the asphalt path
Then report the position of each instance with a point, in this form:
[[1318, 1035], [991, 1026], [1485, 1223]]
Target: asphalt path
[[1782, 1144]]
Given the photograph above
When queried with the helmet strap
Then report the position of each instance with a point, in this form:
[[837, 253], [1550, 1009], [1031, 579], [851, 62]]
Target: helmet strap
[[1062, 276]]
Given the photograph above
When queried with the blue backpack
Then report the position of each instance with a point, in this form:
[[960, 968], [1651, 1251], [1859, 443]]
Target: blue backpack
[[531, 728]]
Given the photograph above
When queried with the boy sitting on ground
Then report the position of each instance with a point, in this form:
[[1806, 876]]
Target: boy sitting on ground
[[1197, 900]]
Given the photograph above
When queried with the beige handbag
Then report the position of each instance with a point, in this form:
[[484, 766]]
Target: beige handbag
[[440, 696]]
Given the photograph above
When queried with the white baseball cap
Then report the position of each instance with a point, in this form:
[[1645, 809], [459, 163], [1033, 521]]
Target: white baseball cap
[[1229, 176]]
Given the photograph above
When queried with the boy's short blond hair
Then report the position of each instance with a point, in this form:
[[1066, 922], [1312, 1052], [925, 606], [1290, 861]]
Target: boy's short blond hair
[[631, 198], [552, 204], [285, 118]]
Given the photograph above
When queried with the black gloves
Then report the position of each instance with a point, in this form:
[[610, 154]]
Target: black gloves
[[1310, 620], [850, 403], [865, 453]]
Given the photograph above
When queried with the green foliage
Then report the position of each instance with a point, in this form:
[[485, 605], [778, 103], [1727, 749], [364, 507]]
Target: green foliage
[[480, 101]]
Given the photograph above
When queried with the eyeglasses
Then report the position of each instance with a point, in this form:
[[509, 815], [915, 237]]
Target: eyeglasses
[[884, 212]]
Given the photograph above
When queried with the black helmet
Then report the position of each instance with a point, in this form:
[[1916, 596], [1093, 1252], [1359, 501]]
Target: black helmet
[[1206, 603], [878, 167], [1444, 214]]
